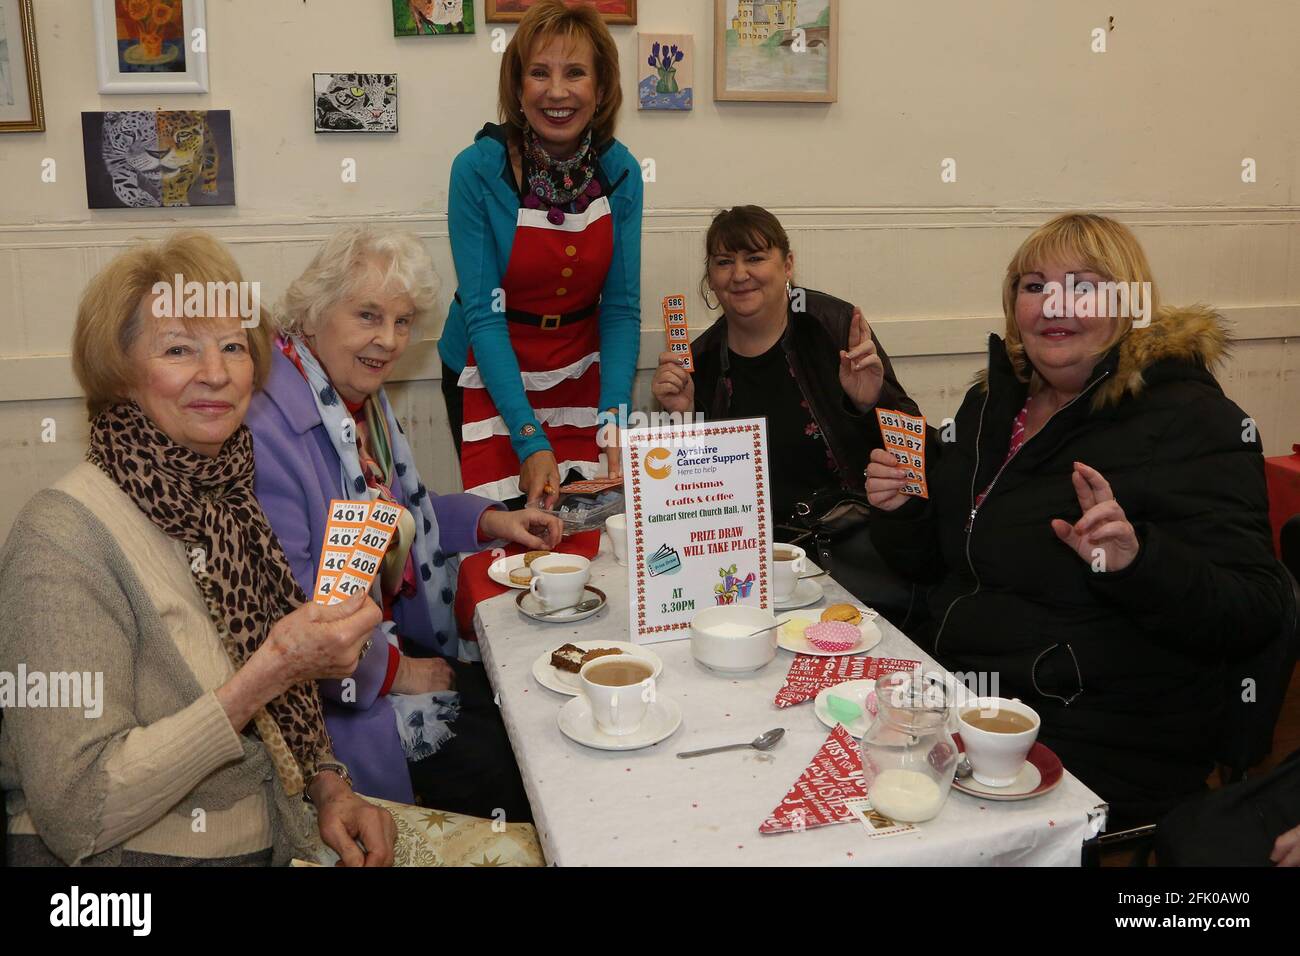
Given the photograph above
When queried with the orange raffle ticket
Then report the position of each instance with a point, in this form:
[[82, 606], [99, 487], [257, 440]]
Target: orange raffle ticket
[[904, 437], [679, 339]]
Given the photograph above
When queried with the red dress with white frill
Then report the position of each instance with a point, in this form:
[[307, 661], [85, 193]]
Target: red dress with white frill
[[554, 270]]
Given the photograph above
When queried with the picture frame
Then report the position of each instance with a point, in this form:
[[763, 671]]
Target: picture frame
[[755, 43], [150, 159], [354, 102], [442, 18], [137, 51], [665, 72], [22, 108], [621, 12]]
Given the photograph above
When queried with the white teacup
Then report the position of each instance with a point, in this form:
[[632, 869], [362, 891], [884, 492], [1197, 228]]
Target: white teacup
[[996, 756], [621, 689], [555, 588], [616, 528], [785, 574]]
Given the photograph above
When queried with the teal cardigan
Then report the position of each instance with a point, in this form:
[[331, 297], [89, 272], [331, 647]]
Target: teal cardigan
[[482, 211]]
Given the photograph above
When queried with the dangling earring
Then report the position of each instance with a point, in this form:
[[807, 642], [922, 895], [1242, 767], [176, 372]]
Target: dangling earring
[[789, 292], [715, 304]]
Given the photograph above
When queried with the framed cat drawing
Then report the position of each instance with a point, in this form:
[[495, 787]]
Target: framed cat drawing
[[140, 159], [355, 102]]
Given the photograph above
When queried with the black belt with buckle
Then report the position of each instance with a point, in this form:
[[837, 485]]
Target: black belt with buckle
[[549, 322]]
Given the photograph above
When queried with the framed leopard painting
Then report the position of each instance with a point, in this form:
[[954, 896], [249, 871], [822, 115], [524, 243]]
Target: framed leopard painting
[[147, 158]]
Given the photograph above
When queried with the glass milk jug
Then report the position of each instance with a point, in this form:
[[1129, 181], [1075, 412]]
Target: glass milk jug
[[908, 756]]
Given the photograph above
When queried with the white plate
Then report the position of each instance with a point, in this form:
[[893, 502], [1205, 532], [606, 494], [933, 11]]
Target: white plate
[[563, 682], [806, 592], [662, 719], [856, 692], [871, 635], [529, 606], [499, 571], [1022, 788]]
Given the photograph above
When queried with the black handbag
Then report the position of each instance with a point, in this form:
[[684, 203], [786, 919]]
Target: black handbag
[[833, 526]]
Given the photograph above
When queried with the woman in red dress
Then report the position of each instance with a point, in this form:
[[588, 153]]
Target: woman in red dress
[[544, 210]]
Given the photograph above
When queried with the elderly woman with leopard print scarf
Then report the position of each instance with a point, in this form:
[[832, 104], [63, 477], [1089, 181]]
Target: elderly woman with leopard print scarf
[[150, 574]]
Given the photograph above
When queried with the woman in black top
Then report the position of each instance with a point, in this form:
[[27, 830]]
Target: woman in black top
[[1098, 532], [806, 361]]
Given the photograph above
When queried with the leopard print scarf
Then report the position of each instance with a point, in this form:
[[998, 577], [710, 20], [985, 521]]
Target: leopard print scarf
[[235, 560]]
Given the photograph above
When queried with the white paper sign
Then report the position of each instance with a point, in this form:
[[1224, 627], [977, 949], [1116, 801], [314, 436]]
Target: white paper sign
[[698, 523]]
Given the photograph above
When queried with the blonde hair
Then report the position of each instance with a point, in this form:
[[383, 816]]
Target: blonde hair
[[110, 316], [336, 272], [546, 20], [1103, 245]]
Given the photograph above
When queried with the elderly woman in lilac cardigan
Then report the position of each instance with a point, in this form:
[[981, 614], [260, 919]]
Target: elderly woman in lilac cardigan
[[416, 722]]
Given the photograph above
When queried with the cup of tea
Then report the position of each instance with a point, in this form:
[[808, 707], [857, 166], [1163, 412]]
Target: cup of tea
[[621, 689], [616, 528], [997, 734], [559, 580], [788, 562]]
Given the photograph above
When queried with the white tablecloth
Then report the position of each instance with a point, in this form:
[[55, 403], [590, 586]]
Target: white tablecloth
[[647, 807]]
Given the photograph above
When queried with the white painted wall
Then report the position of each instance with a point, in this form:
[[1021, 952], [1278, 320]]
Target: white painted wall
[[1153, 131]]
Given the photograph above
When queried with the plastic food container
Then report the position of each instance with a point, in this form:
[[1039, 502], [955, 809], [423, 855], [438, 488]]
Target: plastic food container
[[587, 512]]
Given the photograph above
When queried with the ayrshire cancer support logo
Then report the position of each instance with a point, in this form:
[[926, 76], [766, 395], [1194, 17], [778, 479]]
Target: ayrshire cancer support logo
[[658, 463]]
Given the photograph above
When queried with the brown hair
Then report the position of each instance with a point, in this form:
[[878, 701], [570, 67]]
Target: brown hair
[[110, 315], [743, 229], [1103, 245], [544, 21]]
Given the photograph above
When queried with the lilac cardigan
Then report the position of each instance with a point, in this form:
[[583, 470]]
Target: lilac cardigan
[[298, 472]]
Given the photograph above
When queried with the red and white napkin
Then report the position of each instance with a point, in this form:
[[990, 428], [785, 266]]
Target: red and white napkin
[[810, 675], [818, 797]]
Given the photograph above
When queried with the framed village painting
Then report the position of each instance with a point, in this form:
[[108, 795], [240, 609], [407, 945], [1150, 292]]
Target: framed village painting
[[667, 71], [139, 159], [151, 46], [432, 17], [782, 51], [511, 11], [21, 109], [355, 102]]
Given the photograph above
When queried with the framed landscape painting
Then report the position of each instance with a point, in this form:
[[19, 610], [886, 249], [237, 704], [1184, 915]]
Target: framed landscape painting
[[21, 109], [413, 18], [783, 51], [151, 46], [140, 159], [512, 11]]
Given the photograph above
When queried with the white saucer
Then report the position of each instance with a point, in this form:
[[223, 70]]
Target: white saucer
[[806, 592], [529, 606], [871, 635], [662, 719], [855, 691], [499, 571], [564, 682], [1021, 788]]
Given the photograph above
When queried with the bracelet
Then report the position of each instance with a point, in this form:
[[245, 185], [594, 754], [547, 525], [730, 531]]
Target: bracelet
[[322, 767]]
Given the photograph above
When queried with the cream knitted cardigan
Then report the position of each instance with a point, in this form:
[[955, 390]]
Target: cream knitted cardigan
[[88, 584]]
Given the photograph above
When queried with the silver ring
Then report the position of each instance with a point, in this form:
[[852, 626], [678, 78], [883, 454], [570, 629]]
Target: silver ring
[[370, 642]]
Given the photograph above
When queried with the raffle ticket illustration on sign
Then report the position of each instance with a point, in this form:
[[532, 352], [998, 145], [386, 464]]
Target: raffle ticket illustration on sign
[[698, 522]]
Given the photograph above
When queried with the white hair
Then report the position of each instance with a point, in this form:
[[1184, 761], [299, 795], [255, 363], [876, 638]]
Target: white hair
[[337, 270]]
